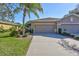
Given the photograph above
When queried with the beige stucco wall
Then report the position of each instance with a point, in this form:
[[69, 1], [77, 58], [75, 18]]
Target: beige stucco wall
[[6, 26]]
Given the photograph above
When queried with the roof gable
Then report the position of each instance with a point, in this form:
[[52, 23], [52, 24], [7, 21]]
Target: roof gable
[[8, 23], [70, 19], [70, 15]]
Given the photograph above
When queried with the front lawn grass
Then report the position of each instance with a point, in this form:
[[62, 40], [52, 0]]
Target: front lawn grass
[[12, 46]]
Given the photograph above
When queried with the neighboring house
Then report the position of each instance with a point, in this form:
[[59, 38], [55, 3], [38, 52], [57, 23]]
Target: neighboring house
[[69, 23], [7, 25]]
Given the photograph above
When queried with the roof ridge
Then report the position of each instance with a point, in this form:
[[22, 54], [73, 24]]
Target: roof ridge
[[49, 18]]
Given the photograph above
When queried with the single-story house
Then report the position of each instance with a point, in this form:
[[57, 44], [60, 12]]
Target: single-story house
[[47, 25], [6, 25], [69, 23]]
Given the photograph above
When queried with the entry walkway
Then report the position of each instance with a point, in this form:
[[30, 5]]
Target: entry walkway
[[47, 45]]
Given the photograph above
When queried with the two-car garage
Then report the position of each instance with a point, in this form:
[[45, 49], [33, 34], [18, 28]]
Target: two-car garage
[[44, 26], [45, 29]]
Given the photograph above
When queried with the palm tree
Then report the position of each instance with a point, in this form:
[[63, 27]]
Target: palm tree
[[9, 10], [28, 8]]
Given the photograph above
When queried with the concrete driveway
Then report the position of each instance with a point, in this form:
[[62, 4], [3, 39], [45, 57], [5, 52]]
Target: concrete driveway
[[47, 45]]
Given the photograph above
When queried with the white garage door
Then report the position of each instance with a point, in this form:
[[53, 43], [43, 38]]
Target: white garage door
[[45, 28], [71, 28]]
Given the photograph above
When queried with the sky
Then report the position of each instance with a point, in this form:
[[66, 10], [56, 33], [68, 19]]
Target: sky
[[55, 10]]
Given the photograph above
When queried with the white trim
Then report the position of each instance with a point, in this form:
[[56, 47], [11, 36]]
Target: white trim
[[69, 23], [71, 19]]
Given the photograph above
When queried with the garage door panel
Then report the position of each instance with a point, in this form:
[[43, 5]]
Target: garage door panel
[[72, 28], [44, 28]]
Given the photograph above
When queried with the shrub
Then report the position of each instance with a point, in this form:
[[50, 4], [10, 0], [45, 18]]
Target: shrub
[[30, 31], [1, 29], [14, 33], [77, 38], [65, 33], [59, 30], [72, 36]]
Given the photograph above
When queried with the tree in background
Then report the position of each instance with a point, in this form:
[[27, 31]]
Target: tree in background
[[7, 11], [75, 11]]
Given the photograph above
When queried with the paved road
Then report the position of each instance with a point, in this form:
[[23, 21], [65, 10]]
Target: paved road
[[47, 45]]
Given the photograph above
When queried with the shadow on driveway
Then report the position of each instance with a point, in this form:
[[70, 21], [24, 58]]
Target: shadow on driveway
[[52, 35]]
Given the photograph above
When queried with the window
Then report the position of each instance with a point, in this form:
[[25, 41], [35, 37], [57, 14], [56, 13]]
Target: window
[[71, 19]]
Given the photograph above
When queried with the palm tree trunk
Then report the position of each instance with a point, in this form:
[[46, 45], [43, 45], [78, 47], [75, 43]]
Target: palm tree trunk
[[23, 32]]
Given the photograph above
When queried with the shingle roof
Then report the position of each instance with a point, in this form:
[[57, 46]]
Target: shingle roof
[[70, 15], [49, 18], [46, 19], [9, 23]]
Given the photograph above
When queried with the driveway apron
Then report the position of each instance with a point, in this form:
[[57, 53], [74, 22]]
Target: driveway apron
[[47, 45]]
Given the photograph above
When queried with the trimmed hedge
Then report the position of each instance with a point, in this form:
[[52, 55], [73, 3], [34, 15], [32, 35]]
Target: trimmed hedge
[[77, 38], [65, 33]]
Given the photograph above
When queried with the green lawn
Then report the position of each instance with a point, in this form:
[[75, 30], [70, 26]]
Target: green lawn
[[11, 46]]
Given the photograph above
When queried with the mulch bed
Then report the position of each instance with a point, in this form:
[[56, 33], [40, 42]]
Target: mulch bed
[[27, 37]]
